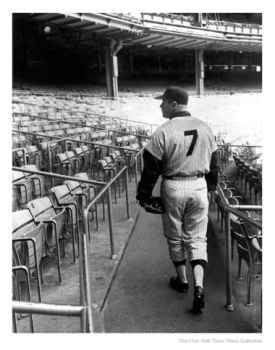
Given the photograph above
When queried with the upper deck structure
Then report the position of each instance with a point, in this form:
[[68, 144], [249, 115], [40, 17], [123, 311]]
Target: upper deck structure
[[146, 31]]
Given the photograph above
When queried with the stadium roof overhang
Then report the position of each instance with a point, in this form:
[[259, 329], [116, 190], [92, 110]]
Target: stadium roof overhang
[[197, 38], [102, 26], [148, 35]]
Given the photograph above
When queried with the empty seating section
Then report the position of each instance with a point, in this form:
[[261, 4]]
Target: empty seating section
[[249, 179], [249, 250], [241, 186], [56, 134]]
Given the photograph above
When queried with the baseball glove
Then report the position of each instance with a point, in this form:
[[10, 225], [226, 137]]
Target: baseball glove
[[153, 205]]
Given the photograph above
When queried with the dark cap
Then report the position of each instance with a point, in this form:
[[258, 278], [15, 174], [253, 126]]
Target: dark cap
[[175, 93]]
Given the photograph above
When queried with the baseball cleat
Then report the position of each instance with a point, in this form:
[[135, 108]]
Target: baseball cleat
[[176, 284], [198, 301]]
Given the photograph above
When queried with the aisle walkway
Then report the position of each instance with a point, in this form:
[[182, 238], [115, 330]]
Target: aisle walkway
[[140, 300]]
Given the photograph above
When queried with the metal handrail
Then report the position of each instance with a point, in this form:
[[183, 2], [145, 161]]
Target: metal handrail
[[98, 197], [229, 145], [228, 209], [35, 134], [47, 309], [60, 176], [85, 309]]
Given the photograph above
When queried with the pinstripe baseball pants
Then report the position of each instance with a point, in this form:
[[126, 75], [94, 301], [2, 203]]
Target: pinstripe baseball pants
[[185, 218]]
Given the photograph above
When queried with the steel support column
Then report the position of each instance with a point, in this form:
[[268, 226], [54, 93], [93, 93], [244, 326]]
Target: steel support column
[[199, 71], [111, 67]]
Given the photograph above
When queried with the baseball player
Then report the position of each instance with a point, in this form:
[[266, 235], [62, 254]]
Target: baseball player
[[183, 152]]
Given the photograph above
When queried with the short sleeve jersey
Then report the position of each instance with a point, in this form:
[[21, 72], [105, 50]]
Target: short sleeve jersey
[[184, 144]]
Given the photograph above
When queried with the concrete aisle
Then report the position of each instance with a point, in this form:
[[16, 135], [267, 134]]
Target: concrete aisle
[[140, 300]]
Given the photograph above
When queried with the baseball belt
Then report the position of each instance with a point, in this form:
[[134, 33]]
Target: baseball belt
[[183, 177]]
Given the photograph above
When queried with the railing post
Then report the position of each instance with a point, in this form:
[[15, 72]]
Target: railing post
[[86, 320], [50, 163], [29, 296], [110, 220], [88, 312], [83, 320], [136, 170], [14, 326], [229, 306], [25, 156], [127, 194], [141, 162]]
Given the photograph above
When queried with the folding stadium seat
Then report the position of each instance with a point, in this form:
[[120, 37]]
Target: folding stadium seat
[[105, 170], [84, 194], [74, 160], [70, 132], [43, 211], [34, 128], [117, 158], [25, 124], [37, 181], [63, 197], [241, 172], [94, 137], [28, 240], [132, 139], [22, 190], [15, 141], [249, 248], [21, 274], [47, 127], [63, 165], [254, 181], [34, 155], [19, 157], [119, 141], [15, 125], [86, 132]]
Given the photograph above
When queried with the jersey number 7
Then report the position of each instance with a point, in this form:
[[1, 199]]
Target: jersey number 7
[[194, 134]]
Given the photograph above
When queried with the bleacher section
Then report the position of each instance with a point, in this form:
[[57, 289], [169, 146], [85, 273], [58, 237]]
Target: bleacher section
[[53, 135]]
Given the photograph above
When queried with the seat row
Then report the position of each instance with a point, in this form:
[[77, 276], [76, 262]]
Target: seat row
[[42, 228], [249, 180], [246, 239]]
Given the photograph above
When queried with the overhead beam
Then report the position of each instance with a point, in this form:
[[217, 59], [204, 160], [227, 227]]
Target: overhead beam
[[145, 39], [193, 46], [94, 27], [182, 41], [66, 21], [46, 16]]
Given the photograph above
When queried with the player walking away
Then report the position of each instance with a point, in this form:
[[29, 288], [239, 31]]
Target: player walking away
[[183, 152]]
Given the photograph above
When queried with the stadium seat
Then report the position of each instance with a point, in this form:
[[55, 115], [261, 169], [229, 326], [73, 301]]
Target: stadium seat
[[43, 211], [34, 155], [28, 243], [63, 197], [22, 189], [249, 250], [84, 194]]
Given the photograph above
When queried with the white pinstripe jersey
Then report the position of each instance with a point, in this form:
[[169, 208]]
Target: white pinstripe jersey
[[184, 144]]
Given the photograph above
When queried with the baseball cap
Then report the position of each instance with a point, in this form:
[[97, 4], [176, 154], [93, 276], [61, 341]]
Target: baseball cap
[[175, 93]]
